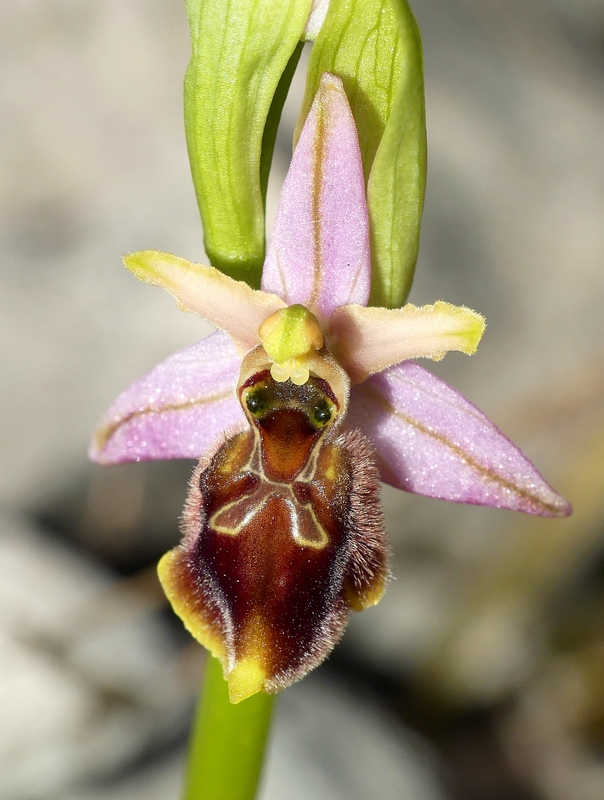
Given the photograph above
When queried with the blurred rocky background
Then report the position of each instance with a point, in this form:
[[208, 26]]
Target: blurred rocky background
[[481, 674]]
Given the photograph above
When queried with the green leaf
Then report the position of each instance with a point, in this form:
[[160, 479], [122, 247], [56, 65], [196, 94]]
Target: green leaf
[[239, 53], [228, 742], [374, 46]]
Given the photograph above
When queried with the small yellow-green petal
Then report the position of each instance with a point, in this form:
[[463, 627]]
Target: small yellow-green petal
[[368, 340]]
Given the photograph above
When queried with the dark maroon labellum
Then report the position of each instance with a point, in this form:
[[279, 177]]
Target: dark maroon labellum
[[283, 535]]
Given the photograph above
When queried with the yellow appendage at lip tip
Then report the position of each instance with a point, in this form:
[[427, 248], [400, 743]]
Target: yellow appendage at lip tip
[[245, 679], [248, 674]]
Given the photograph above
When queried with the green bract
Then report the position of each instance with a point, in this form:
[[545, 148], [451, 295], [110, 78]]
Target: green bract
[[374, 46], [243, 56]]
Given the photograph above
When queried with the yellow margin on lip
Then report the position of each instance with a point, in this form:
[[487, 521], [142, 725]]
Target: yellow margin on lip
[[169, 571]]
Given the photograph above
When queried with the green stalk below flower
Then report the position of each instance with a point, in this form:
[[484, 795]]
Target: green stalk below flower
[[227, 743]]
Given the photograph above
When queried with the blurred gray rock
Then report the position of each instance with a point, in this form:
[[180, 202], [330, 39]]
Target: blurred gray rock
[[88, 676], [326, 744]]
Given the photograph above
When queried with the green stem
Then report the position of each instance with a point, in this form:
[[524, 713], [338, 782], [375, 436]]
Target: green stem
[[227, 743]]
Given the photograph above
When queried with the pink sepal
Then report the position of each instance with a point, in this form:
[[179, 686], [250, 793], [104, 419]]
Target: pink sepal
[[183, 408], [430, 440], [319, 252]]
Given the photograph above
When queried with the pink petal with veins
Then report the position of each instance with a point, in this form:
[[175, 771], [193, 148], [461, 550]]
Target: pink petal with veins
[[183, 408], [319, 252], [432, 441]]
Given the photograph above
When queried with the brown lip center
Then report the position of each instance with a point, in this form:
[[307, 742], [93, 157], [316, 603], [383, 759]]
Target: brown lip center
[[288, 437]]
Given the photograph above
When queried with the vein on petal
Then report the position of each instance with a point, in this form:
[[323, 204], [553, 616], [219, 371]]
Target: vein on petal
[[105, 434], [318, 167]]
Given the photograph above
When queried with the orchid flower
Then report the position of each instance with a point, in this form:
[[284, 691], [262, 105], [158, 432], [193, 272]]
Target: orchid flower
[[297, 407]]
